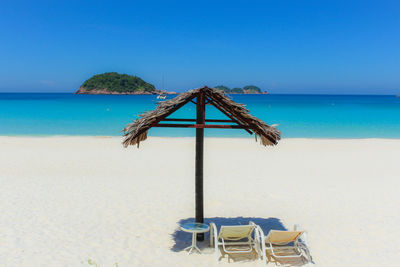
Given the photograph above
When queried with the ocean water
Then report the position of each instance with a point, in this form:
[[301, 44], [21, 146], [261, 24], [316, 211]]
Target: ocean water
[[309, 116]]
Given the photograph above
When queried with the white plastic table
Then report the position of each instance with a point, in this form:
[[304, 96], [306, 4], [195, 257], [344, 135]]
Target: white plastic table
[[194, 228]]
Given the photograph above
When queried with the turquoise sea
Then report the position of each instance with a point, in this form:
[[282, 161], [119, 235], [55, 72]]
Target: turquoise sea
[[318, 116]]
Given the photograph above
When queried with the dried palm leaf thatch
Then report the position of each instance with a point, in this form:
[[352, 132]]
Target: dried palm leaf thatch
[[136, 131]]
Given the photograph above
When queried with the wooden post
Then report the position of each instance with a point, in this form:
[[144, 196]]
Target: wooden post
[[200, 119]]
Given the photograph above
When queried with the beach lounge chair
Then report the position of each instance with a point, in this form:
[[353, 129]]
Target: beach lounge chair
[[235, 239], [285, 244]]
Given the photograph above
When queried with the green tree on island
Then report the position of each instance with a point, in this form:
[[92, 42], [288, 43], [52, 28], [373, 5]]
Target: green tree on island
[[223, 88], [237, 90], [248, 89], [252, 89], [115, 82]]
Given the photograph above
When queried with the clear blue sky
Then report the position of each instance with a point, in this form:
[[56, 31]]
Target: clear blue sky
[[350, 47]]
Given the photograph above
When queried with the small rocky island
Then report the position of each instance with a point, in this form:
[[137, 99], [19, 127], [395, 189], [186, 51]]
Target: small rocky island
[[113, 83], [249, 89]]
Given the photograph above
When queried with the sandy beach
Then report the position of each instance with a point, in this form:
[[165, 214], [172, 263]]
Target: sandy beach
[[87, 201]]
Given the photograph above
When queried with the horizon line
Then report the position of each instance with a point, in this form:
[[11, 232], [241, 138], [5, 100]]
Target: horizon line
[[327, 94]]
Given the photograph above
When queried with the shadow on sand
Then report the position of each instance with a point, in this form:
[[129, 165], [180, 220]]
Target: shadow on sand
[[183, 239]]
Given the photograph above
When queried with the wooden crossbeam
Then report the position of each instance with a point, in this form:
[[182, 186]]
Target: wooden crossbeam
[[198, 126], [207, 120]]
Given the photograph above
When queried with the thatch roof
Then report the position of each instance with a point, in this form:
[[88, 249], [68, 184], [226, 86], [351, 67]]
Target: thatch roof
[[136, 131]]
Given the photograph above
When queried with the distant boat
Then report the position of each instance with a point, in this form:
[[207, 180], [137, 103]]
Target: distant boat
[[161, 96]]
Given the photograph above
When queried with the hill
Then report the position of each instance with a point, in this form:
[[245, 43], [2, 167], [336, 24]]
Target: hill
[[249, 89], [115, 83]]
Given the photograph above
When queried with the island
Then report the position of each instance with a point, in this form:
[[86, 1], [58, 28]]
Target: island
[[113, 83], [249, 89]]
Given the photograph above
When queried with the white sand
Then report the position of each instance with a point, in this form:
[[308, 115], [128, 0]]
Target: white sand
[[67, 200]]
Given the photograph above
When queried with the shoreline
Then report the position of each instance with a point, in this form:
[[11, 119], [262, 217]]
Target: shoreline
[[205, 137]]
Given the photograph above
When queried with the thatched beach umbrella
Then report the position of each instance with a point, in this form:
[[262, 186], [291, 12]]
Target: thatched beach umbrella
[[238, 115]]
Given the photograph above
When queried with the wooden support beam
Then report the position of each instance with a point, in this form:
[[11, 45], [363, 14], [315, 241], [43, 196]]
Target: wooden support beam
[[240, 117], [200, 119], [228, 114], [166, 115]]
